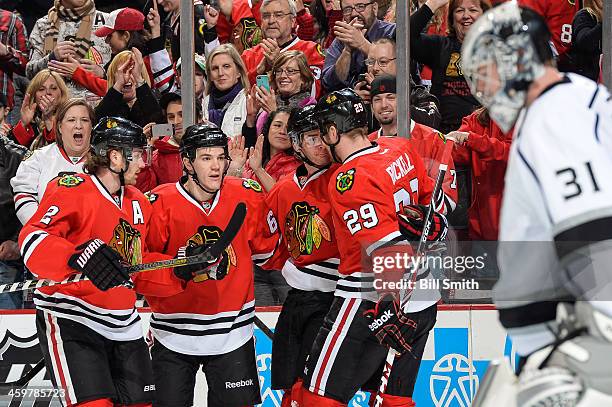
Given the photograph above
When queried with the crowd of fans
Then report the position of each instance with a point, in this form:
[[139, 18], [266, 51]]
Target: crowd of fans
[[255, 61]]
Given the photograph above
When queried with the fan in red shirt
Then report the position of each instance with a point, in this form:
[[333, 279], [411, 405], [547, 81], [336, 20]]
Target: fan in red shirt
[[559, 15], [278, 19], [237, 24]]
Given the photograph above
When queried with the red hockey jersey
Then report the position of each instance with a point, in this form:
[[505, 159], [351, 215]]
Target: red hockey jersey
[[429, 144], [366, 193], [300, 207], [313, 52], [209, 317], [75, 209], [559, 15], [241, 29]]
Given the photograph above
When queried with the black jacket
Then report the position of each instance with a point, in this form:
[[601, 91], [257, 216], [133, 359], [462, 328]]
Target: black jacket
[[443, 56], [11, 155], [586, 44], [145, 110]]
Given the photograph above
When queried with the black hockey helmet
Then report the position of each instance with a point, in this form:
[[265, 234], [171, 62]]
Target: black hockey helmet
[[302, 121], [202, 135], [117, 133], [343, 108]]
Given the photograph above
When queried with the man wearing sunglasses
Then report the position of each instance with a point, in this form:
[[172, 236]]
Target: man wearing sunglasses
[[278, 21], [345, 58]]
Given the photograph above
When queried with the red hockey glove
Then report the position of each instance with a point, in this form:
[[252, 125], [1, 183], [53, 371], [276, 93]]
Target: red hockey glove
[[412, 220], [101, 264], [390, 325], [215, 270]]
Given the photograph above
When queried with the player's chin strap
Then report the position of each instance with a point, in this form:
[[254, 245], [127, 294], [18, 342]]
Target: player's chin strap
[[120, 173]]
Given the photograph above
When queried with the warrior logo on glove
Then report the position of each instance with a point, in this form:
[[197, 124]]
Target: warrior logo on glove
[[206, 236]]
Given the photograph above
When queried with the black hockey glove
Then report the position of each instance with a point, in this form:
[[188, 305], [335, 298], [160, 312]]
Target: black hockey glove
[[390, 325], [412, 220], [215, 270], [101, 264]]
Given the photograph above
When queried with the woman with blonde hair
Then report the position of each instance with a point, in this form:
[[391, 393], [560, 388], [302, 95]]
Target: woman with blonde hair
[[587, 38], [46, 92], [226, 84], [129, 92]]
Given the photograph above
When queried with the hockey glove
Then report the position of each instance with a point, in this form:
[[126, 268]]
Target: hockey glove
[[101, 264], [214, 270], [412, 221], [390, 325]]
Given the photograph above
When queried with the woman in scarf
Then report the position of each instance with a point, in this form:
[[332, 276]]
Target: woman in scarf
[[68, 31], [226, 80]]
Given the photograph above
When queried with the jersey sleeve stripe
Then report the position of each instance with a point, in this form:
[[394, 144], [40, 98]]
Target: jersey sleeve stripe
[[537, 180], [597, 127], [30, 243], [582, 235], [530, 314], [594, 97], [391, 238], [24, 203]]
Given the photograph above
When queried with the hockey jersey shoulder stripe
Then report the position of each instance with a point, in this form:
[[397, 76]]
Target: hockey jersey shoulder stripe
[[583, 235]]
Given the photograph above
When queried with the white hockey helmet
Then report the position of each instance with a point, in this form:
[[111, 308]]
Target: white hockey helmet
[[502, 54]]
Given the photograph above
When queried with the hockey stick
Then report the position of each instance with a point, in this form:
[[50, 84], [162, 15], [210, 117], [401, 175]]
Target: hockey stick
[[208, 255], [23, 380], [420, 252], [264, 328]]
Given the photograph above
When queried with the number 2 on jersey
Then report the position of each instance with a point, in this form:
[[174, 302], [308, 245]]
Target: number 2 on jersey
[[51, 212]]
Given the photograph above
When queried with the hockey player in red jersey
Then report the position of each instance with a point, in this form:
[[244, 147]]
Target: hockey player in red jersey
[[427, 142], [308, 255], [559, 15], [366, 193], [90, 333], [210, 323], [278, 21]]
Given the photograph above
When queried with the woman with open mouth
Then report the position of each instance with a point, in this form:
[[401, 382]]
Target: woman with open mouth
[[129, 92], [66, 155]]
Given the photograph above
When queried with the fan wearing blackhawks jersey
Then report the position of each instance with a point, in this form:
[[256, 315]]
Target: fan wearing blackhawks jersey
[[427, 142], [308, 255], [90, 333], [278, 19], [366, 194], [210, 323]]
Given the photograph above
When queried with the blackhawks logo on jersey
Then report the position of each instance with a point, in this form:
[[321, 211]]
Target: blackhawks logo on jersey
[[305, 229], [251, 184], [151, 196], [345, 180], [206, 236], [126, 242], [69, 180]]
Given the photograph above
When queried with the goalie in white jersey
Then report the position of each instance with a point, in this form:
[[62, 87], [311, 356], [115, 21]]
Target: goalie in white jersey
[[556, 220]]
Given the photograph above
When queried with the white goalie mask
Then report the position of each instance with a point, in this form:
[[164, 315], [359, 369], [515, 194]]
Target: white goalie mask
[[501, 56]]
